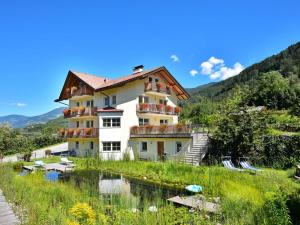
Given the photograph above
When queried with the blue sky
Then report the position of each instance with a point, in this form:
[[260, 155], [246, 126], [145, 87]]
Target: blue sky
[[40, 41]]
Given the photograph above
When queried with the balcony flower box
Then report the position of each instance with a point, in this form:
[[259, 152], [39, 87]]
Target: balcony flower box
[[81, 110], [163, 128], [160, 107], [88, 131], [145, 106], [180, 128], [62, 132], [169, 109], [77, 132], [148, 128], [70, 132], [67, 112], [148, 86], [177, 110], [134, 129]]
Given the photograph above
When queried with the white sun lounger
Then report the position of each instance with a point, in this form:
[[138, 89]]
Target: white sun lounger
[[39, 163], [66, 161], [247, 166], [229, 165]]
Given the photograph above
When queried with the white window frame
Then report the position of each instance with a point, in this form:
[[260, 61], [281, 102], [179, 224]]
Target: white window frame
[[142, 121], [110, 145], [106, 101], [163, 122], [114, 100], [111, 122]]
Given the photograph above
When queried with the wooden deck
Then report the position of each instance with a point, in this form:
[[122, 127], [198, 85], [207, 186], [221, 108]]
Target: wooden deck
[[195, 202], [51, 166], [7, 216]]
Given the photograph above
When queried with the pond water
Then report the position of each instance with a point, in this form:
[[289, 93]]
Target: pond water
[[116, 189]]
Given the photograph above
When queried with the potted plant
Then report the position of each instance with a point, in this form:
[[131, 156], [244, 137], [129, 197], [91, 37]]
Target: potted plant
[[145, 106], [162, 128], [67, 112], [179, 127], [77, 132], [160, 107], [148, 128], [74, 111], [70, 132], [177, 110], [169, 109], [62, 132], [134, 129], [88, 131], [81, 110]]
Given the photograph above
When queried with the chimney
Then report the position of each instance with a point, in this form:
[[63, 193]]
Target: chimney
[[138, 69]]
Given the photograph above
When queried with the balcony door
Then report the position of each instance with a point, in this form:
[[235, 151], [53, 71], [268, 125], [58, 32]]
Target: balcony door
[[160, 149]]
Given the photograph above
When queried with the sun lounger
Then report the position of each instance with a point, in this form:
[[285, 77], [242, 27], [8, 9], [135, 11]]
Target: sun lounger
[[247, 166], [39, 163], [65, 161], [229, 165]]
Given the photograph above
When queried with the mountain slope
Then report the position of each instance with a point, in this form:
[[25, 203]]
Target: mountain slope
[[286, 62], [19, 121]]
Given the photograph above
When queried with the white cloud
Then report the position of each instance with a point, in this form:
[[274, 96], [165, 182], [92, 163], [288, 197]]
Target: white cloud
[[216, 69], [174, 58], [193, 72], [20, 104]]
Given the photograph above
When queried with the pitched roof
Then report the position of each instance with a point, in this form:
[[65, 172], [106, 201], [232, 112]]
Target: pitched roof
[[90, 79], [102, 83]]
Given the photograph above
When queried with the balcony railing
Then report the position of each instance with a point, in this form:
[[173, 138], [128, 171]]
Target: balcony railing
[[80, 111], [157, 108], [79, 133], [157, 87], [75, 91], [161, 130]]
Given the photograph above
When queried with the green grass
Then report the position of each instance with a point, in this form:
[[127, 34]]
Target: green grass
[[245, 198]]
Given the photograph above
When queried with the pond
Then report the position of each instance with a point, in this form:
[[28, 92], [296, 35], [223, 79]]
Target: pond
[[116, 189]]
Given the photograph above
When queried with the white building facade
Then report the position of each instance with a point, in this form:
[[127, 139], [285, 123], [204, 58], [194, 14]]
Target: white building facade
[[133, 116]]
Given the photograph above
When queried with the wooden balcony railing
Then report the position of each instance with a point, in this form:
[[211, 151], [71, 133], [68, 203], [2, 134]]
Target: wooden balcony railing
[[162, 129], [80, 111], [157, 108], [75, 91], [79, 133], [157, 87]]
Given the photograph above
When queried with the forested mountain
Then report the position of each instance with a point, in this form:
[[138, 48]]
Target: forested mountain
[[19, 121], [287, 63]]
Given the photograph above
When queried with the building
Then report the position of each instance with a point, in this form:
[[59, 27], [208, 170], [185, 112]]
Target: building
[[135, 115]]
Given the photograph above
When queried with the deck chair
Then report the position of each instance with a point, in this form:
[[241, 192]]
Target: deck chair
[[39, 163], [229, 165], [246, 165], [65, 161]]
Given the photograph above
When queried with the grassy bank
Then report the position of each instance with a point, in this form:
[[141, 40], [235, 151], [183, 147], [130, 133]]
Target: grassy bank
[[245, 198]]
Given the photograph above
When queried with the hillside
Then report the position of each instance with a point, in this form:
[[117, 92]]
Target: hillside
[[286, 62], [19, 121]]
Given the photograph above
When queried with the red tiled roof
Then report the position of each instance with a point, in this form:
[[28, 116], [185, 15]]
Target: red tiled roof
[[110, 109]]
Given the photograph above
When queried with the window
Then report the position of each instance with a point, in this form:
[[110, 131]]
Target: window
[[77, 124], [143, 99], [143, 121], [178, 146], [163, 121], [144, 146], [156, 79], [163, 102], [76, 144], [106, 101], [91, 145], [116, 146], [77, 104], [111, 146], [114, 100], [90, 103], [112, 122], [89, 124], [150, 79]]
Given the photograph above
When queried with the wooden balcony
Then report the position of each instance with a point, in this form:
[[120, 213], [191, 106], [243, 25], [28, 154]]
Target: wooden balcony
[[157, 88], [75, 92], [157, 109], [168, 131], [80, 112], [79, 133]]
